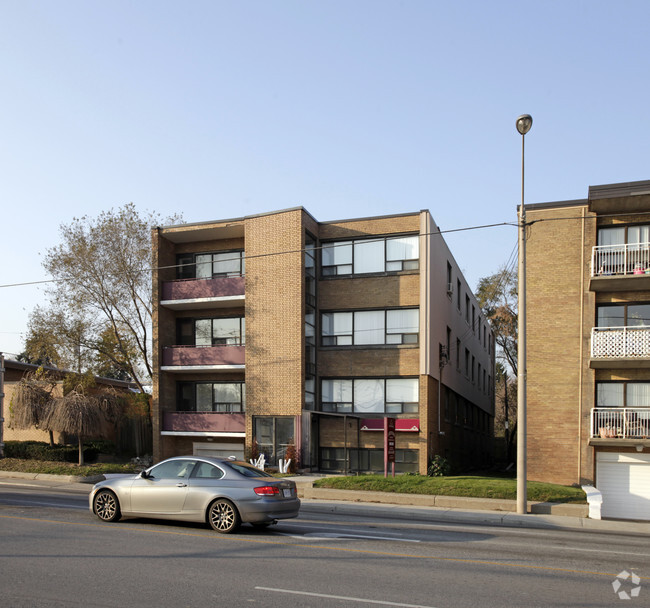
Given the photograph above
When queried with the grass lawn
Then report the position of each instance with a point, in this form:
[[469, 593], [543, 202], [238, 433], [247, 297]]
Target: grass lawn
[[62, 468], [461, 485]]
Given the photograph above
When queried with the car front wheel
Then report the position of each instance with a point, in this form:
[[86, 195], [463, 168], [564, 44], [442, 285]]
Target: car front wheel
[[106, 506], [223, 516]]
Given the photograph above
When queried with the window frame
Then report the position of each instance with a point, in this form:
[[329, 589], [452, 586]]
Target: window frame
[[186, 264], [232, 407], [350, 407], [406, 338], [348, 267]]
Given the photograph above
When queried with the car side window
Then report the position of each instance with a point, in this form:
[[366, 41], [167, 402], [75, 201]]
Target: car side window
[[174, 469], [206, 470]]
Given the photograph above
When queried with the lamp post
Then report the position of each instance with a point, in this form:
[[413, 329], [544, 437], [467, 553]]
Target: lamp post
[[524, 123]]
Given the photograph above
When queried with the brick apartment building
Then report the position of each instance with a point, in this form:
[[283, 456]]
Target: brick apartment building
[[277, 329], [588, 287]]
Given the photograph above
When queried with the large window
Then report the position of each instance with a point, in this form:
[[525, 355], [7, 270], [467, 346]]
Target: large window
[[392, 254], [273, 434], [399, 326], [211, 397], [211, 332], [622, 235], [623, 315], [370, 395], [209, 265], [623, 394], [366, 460]]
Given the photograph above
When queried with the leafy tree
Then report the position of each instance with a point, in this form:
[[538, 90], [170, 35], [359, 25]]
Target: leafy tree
[[42, 346], [100, 304], [497, 296]]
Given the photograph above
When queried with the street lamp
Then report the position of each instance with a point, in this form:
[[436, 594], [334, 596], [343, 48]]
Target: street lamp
[[524, 123]]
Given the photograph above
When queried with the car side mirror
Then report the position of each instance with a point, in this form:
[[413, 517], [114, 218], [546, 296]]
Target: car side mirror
[[144, 475]]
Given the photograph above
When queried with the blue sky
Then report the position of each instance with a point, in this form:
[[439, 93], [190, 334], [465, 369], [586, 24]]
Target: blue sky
[[350, 108]]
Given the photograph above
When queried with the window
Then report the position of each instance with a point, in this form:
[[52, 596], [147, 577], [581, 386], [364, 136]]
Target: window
[[450, 284], [226, 397], [367, 327], [622, 394], [623, 315], [174, 469], [209, 265], [392, 254], [458, 294], [473, 318], [211, 332], [205, 470], [458, 354], [622, 235], [273, 435], [467, 363], [370, 395], [467, 308]]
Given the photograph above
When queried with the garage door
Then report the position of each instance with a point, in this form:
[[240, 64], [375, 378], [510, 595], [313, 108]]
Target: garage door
[[624, 481], [222, 450]]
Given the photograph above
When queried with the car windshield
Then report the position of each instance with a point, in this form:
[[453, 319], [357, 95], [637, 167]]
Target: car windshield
[[247, 470]]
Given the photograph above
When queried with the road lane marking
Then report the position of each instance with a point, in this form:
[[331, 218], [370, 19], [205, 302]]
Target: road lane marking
[[113, 527], [335, 535], [342, 597]]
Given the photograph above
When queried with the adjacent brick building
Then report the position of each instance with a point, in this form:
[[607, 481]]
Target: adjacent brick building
[[276, 329], [588, 273]]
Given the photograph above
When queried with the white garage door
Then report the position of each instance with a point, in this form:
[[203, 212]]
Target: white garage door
[[624, 480], [222, 450]]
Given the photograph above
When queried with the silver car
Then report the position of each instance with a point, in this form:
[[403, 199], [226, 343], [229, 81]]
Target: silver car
[[221, 492]]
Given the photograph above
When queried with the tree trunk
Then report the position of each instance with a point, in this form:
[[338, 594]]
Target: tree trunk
[[51, 439], [81, 451]]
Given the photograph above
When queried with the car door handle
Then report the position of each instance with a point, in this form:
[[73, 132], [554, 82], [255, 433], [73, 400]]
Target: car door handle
[[181, 485]]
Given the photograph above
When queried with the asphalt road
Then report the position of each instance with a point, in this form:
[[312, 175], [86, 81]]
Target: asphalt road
[[55, 553]]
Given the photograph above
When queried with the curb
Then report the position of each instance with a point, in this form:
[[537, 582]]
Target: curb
[[441, 502], [48, 477]]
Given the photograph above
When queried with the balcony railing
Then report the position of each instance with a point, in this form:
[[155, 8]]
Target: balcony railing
[[204, 422], [204, 356], [620, 422], [620, 342], [630, 259], [195, 293]]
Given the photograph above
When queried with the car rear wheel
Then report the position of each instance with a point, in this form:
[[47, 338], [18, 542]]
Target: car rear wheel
[[106, 506], [223, 516]]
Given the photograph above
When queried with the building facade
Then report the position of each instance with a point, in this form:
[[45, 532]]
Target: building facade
[[588, 332], [276, 331]]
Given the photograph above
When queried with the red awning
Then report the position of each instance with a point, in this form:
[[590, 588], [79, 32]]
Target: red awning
[[407, 425]]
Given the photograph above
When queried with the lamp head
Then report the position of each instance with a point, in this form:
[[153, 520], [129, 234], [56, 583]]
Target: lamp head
[[524, 123]]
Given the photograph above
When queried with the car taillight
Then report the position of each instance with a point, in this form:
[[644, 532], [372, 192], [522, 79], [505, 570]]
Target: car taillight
[[267, 490]]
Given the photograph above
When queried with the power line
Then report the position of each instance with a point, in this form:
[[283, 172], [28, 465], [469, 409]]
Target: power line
[[263, 255]]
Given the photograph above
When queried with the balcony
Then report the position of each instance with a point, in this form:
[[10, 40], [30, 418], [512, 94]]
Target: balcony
[[620, 267], [620, 347], [620, 426], [203, 358], [204, 424], [194, 294]]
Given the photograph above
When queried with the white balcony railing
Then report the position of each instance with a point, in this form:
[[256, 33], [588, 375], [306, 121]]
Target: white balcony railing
[[633, 258], [620, 342], [620, 422]]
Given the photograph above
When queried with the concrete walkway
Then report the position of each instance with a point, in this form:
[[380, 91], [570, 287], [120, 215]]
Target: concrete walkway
[[412, 507]]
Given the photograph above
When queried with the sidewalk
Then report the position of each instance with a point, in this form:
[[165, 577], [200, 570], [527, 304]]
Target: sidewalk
[[412, 507]]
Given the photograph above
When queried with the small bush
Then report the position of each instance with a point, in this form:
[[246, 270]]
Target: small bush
[[439, 467]]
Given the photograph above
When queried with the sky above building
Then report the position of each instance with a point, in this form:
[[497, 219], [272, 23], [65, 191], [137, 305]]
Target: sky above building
[[349, 108]]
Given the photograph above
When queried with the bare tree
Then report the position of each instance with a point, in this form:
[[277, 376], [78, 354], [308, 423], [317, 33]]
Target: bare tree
[[100, 304], [82, 412], [32, 401]]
